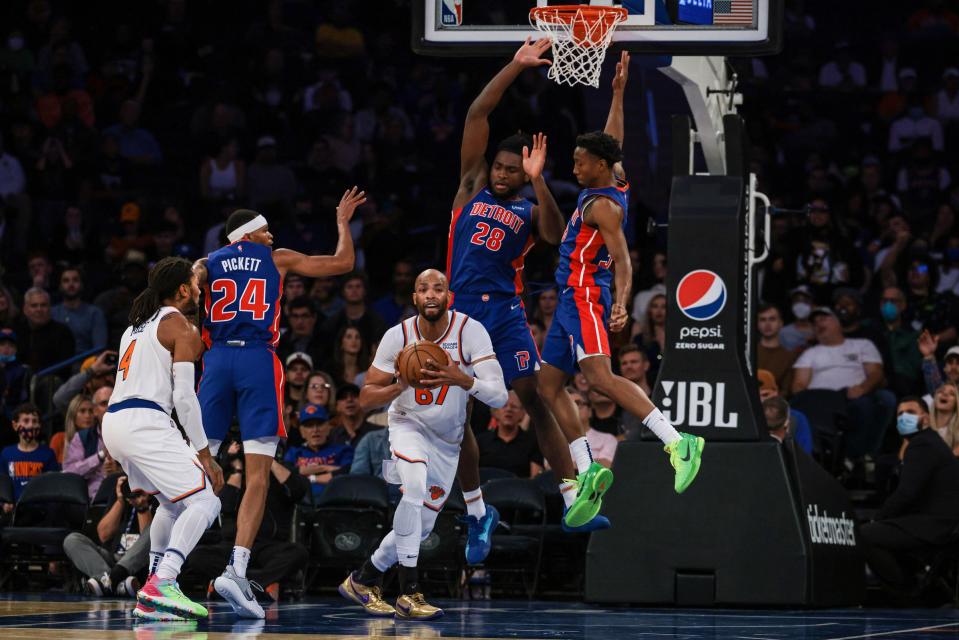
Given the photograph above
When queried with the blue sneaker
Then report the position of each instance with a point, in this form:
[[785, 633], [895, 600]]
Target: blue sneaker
[[598, 523], [480, 532]]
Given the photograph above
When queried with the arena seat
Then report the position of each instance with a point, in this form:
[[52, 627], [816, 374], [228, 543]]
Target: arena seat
[[493, 473], [517, 547], [52, 506], [349, 521]]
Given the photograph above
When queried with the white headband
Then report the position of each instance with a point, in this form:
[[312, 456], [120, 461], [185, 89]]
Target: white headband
[[256, 223]]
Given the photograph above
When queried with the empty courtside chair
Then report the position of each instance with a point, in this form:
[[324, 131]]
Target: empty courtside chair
[[492, 473], [350, 519], [52, 505], [6, 497], [517, 548], [442, 554]]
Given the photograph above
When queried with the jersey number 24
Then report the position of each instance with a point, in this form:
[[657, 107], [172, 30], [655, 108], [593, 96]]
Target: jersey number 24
[[252, 300]]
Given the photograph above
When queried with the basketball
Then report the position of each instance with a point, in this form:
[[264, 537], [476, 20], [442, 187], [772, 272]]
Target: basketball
[[413, 358]]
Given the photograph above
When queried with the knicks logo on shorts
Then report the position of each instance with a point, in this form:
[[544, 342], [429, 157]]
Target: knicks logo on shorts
[[701, 295], [436, 493]]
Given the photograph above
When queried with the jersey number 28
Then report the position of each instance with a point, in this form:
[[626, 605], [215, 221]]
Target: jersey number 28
[[252, 300]]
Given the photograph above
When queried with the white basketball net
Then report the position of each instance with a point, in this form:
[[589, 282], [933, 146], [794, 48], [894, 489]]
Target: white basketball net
[[580, 39]]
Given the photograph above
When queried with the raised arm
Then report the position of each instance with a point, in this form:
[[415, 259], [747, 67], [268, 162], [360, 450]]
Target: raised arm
[[607, 216], [342, 260], [547, 217], [473, 169], [614, 121]]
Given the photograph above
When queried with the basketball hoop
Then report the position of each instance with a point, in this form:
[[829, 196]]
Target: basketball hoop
[[580, 35]]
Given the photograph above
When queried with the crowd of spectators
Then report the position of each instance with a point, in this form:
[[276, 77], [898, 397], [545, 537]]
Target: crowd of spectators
[[128, 134]]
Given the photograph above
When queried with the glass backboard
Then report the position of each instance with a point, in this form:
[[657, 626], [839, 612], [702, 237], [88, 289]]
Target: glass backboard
[[678, 27]]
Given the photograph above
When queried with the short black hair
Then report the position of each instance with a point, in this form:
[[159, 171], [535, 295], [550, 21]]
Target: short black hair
[[767, 306], [602, 145], [239, 218], [27, 408], [303, 302], [917, 400], [515, 143]]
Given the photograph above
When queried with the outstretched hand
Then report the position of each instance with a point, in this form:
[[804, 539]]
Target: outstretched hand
[[535, 160], [529, 53], [622, 72], [352, 198], [928, 344]]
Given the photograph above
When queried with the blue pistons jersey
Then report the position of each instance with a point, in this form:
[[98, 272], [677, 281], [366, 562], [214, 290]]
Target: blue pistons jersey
[[242, 295], [488, 242], [242, 374], [584, 260]]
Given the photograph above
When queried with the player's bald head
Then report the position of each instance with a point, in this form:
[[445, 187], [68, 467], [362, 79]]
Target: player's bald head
[[431, 276]]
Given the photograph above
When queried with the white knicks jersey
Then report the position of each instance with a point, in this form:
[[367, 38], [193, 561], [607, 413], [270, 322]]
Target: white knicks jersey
[[441, 410], [145, 369]]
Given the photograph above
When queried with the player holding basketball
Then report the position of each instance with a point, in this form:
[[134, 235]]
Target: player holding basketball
[[241, 373], [426, 427], [490, 235], [593, 241], [154, 376]]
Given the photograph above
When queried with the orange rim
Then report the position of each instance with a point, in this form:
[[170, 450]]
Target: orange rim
[[566, 13]]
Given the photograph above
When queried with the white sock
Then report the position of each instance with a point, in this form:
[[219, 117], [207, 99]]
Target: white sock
[[239, 559], [155, 558], [568, 489], [582, 456], [658, 424], [474, 503], [170, 566]]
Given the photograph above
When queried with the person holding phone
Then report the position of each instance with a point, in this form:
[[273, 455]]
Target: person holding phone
[[111, 562], [95, 372]]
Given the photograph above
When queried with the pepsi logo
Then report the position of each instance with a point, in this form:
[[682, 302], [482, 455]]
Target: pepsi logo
[[701, 295]]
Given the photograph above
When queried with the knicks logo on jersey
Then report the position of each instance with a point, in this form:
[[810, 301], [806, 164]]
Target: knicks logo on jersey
[[436, 492]]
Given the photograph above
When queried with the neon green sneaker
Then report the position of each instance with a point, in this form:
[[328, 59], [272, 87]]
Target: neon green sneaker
[[592, 485], [685, 455], [166, 595]]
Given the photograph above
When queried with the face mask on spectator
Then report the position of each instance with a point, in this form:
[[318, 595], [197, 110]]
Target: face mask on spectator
[[907, 424], [801, 310], [10, 357], [889, 311], [29, 434]]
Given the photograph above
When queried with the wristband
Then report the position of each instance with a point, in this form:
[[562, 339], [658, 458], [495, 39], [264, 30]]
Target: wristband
[[313, 478], [100, 455]]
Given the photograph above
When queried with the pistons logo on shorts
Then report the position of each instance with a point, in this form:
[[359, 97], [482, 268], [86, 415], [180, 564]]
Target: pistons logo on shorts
[[701, 295], [436, 493]]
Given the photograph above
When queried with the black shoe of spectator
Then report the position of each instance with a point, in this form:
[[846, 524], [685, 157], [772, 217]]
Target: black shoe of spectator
[[98, 587]]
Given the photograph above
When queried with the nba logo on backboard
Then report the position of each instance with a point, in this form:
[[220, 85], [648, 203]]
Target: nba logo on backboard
[[701, 295], [452, 13]]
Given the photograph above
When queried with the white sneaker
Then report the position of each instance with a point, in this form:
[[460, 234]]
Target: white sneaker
[[97, 587], [236, 590], [128, 588]]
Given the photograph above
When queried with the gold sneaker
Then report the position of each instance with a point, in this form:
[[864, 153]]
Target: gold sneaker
[[370, 598], [415, 607]]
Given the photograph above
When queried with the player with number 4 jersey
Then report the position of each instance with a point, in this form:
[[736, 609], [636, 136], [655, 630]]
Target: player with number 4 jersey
[[242, 375]]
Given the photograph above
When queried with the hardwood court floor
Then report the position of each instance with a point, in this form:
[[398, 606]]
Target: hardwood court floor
[[51, 617]]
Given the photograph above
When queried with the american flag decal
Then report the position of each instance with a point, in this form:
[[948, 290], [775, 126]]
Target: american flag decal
[[739, 12]]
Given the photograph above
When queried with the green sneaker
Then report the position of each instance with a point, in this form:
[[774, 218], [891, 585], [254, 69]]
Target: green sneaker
[[166, 595], [685, 455], [592, 484]]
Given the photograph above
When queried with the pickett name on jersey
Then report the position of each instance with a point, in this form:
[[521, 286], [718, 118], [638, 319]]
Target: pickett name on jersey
[[498, 213], [241, 263]]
